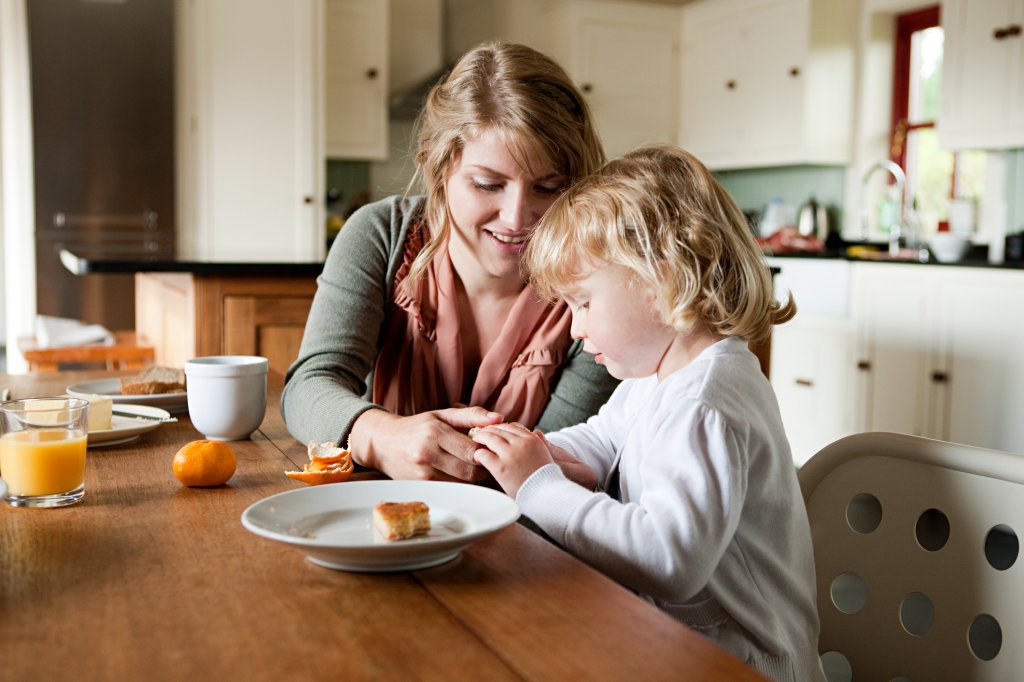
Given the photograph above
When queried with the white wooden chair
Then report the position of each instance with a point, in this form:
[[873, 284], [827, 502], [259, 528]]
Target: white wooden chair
[[916, 546]]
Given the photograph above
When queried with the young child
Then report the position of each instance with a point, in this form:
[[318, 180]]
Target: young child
[[700, 512]]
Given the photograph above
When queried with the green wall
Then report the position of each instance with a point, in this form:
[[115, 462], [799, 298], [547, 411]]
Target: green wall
[[1015, 191], [753, 189]]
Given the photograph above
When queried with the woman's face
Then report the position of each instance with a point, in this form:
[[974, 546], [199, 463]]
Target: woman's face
[[494, 205]]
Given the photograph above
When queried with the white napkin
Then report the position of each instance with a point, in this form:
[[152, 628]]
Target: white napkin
[[54, 332]]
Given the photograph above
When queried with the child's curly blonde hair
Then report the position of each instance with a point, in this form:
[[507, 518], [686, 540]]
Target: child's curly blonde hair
[[661, 214]]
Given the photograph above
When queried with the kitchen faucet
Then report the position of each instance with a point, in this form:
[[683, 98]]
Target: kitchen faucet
[[901, 180]]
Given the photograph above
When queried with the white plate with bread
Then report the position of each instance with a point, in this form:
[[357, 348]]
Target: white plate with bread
[[333, 524], [162, 387]]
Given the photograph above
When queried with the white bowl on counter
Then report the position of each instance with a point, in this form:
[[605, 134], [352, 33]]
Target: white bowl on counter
[[949, 247]]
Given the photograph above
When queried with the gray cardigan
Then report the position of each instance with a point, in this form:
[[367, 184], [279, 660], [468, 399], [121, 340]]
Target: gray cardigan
[[326, 388]]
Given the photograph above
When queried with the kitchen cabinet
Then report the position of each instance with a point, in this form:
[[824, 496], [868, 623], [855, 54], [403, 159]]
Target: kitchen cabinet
[[356, 79], [937, 353], [186, 315], [983, 74], [767, 82], [813, 354], [919, 349], [897, 349], [624, 56], [811, 361], [249, 147]]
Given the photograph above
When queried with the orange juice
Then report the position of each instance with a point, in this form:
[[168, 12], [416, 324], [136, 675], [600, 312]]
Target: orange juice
[[42, 461]]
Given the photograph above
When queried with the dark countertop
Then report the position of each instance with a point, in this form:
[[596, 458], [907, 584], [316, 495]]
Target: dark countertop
[[87, 265], [977, 257]]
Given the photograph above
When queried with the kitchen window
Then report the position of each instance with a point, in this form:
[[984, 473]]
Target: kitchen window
[[934, 175]]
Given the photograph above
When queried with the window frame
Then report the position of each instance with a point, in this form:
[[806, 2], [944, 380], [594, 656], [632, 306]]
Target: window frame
[[907, 24]]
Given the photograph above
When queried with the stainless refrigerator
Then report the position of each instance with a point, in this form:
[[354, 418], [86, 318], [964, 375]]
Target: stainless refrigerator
[[102, 79]]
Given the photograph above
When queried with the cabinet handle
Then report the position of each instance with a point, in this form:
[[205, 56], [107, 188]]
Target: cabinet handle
[[1007, 32], [730, 84], [804, 382], [794, 72], [371, 73], [587, 87], [939, 377], [307, 199], [863, 365]]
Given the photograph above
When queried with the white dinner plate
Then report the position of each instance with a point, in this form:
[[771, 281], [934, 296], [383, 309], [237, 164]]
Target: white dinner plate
[[175, 403], [332, 524], [126, 428]]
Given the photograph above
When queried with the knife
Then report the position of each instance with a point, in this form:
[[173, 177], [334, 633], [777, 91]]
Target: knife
[[125, 413]]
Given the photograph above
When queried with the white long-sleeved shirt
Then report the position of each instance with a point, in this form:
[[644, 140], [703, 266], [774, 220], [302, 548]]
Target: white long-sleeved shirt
[[711, 526]]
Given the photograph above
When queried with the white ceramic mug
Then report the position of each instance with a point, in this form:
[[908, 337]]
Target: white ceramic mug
[[227, 395]]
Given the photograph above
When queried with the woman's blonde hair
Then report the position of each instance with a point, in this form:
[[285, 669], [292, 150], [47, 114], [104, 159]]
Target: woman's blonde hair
[[517, 91], [661, 214]]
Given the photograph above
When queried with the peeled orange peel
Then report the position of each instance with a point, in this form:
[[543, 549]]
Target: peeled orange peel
[[327, 464]]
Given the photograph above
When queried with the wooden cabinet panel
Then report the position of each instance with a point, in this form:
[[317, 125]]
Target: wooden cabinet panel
[[268, 325], [165, 314], [185, 316]]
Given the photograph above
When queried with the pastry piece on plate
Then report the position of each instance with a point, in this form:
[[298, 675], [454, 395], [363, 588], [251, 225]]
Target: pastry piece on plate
[[401, 520]]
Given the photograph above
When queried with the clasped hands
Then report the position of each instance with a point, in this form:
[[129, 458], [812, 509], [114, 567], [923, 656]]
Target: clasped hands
[[435, 446]]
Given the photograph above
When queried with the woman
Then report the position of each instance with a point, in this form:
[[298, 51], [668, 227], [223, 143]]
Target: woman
[[422, 308]]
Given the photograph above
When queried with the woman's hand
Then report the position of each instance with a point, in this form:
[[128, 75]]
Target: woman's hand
[[426, 446], [513, 453]]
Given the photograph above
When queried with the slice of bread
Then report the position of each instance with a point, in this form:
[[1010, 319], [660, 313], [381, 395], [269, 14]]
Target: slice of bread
[[154, 380], [401, 520]]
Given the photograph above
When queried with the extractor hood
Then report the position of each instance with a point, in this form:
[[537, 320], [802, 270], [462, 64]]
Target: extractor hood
[[405, 103]]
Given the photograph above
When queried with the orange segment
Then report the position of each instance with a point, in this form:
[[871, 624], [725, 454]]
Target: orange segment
[[327, 464]]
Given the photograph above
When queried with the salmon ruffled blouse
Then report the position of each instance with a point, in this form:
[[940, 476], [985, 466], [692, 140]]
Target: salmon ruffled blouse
[[420, 363]]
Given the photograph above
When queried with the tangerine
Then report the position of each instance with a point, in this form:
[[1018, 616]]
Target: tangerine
[[204, 463]]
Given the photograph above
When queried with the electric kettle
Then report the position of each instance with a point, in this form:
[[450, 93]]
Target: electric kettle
[[812, 221]]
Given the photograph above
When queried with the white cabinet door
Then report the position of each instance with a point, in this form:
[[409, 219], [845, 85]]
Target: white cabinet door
[[356, 79], [983, 333], [895, 315], [249, 153], [712, 107], [812, 355], [942, 349], [623, 55], [812, 376], [773, 78], [767, 82], [626, 60], [983, 75]]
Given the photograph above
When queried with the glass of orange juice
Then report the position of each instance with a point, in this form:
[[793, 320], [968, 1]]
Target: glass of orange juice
[[42, 450]]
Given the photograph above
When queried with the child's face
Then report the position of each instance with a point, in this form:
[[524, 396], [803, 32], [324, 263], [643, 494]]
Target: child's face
[[618, 324]]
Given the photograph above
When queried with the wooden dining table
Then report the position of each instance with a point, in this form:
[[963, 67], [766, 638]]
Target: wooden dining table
[[148, 579]]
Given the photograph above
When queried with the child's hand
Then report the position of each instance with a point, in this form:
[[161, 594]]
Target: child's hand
[[575, 470], [513, 453]]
